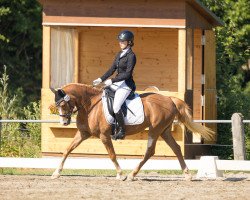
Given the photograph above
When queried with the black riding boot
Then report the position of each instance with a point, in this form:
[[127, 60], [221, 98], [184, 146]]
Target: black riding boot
[[120, 134]]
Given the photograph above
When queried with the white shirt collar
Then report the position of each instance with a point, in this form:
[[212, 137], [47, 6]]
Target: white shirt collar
[[124, 51]]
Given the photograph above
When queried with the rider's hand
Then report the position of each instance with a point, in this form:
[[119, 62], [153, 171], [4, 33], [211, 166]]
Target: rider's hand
[[108, 82], [97, 81]]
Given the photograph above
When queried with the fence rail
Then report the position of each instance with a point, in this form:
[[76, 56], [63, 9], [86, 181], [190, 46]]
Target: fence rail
[[236, 121], [106, 163]]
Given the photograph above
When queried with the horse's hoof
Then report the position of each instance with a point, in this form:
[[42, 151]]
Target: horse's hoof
[[188, 177], [55, 175], [131, 178], [120, 177]]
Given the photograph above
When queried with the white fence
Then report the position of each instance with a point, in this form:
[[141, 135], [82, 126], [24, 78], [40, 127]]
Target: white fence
[[106, 163]]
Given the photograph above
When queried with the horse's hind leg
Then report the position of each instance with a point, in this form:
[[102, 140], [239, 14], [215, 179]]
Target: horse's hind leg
[[168, 138], [79, 137], [152, 138]]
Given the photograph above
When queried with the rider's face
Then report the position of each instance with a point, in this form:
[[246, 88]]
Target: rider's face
[[123, 44]]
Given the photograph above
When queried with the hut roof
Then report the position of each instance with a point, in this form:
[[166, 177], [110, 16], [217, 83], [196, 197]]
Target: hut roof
[[209, 15]]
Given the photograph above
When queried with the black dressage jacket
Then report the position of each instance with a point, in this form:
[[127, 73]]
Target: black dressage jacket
[[124, 66]]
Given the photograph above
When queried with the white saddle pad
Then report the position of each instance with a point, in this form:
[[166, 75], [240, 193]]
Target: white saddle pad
[[135, 105]]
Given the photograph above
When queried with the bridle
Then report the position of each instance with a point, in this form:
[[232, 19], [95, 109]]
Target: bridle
[[69, 114], [61, 96]]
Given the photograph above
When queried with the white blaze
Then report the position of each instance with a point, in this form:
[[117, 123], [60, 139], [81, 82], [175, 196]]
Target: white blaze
[[62, 119]]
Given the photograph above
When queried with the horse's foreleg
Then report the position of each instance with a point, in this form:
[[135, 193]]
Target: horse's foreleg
[[79, 137], [168, 138], [149, 153], [110, 149]]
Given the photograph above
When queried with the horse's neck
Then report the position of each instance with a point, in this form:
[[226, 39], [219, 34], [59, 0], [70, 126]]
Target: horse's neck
[[89, 95]]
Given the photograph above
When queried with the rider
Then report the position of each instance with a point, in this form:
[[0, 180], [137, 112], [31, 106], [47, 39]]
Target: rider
[[123, 82]]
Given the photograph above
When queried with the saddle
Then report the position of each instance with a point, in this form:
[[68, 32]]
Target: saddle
[[110, 95], [132, 109]]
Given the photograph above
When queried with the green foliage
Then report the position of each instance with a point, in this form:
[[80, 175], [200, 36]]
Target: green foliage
[[7, 104], [21, 45], [33, 146], [232, 55], [22, 140]]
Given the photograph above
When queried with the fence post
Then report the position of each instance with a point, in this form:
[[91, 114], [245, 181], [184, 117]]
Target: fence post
[[238, 137]]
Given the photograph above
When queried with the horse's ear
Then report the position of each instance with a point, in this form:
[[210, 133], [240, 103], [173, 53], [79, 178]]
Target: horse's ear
[[53, 90], [61, 93]]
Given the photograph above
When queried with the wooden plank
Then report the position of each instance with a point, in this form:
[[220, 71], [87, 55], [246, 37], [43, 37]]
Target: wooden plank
[[125, 147], [181, 60], [190, 58], [155, 8], [210, 60], [197, 114], [197, 108], [140, 12], [194, 19], [210, 109], [46, 57], [113, 22], [189, 75], [205, 12]]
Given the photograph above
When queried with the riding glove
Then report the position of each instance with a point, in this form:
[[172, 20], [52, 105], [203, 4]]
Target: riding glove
[[108, 82], [97, 81]]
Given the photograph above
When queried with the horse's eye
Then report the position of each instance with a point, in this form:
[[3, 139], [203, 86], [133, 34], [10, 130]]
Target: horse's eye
[[62, 104]]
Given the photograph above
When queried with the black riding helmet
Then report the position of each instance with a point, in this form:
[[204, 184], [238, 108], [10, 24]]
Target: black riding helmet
[[126, 36]]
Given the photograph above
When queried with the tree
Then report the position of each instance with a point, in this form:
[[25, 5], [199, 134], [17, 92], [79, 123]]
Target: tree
[[21, 46], [232, 63]]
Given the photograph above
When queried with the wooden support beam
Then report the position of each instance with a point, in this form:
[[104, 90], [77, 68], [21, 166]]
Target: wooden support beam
[[190, 59], [210, 109], [46, 57], [182, 60], [76, 55]]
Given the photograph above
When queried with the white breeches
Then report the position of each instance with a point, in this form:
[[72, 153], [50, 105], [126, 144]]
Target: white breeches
[[121, 93]]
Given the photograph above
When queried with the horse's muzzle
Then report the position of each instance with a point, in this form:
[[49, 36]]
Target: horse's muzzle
[[66, 123]]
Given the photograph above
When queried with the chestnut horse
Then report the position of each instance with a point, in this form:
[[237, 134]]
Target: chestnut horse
[[160, 112]]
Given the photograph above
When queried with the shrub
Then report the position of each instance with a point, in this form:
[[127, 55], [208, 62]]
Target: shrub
[[21, 140]]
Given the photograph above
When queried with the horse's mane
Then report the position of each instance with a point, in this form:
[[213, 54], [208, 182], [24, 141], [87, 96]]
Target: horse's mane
[[89, 88]]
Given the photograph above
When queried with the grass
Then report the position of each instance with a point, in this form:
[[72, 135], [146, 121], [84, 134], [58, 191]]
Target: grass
[[87, 172]]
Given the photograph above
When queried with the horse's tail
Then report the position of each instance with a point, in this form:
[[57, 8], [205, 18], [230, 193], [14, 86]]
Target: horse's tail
[[184, 116]]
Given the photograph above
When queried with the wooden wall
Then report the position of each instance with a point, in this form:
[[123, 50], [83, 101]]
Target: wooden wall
[[195, 20], [140, 12], [156, 51]]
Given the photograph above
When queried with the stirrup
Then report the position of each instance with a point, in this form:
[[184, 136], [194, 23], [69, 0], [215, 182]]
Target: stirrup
[[119, 136]]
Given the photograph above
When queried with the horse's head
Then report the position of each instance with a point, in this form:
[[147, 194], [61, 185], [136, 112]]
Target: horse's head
[[65, 105]]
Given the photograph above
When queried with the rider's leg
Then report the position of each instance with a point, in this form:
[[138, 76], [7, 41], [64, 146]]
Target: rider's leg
[[120, 96]]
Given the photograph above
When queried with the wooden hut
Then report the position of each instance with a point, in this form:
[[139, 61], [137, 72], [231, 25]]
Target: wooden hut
[[175, 48]]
